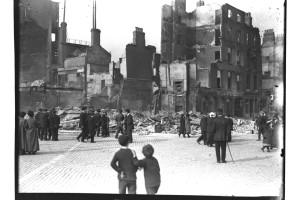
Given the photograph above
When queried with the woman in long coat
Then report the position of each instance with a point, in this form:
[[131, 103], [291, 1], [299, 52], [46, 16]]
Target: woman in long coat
[[187, 125], [32, 142], [22, 134], [267, 136], [182, 126], [275, 135]]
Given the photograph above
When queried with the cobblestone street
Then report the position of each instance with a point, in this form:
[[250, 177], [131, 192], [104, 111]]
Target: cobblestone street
[[187, 168]]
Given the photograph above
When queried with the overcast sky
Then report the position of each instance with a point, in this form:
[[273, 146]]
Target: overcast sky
[[117, 19]]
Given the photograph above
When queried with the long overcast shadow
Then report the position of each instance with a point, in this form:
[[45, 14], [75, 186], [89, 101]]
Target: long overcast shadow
[[250, 159]]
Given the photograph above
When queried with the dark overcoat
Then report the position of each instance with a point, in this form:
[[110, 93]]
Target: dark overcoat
[[203, 124], [220, 129], [129, 123], [182, 125], [22, 134], [32, 141], [54, 121]]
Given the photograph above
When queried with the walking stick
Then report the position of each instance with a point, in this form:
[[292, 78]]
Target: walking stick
[[230, 152]]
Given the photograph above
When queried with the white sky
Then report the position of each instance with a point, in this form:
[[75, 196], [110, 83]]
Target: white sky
[[117, 19]]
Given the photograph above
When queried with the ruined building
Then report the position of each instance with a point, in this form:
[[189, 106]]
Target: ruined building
[[272, 69], [38, 21], [211, 59], [66, 75], [139, 68]]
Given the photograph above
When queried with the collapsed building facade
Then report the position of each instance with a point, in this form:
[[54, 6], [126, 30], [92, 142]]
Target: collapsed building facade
[[211, 59], [272, 68]]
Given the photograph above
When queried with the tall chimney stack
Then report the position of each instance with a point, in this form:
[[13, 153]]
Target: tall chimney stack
[[95, 33]]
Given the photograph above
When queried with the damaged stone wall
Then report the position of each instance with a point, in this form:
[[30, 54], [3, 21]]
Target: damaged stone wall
[[33, 51], [37, 97], [99, 59]]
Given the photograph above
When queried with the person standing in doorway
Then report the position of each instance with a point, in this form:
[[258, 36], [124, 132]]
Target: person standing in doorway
[[221, 131], [129, 125], [54, 125], [119, 121]]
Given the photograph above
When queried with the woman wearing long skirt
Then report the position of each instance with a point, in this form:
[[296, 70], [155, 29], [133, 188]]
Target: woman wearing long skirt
[[275, 136], [22, 134], [32, 142], [187, 125], [267, 137], [182, 126]]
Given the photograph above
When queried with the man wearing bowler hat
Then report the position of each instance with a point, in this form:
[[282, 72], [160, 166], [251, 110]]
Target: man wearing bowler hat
[[221, 131]]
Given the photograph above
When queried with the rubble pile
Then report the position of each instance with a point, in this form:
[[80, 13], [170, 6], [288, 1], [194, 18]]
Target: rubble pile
[[145, 122]]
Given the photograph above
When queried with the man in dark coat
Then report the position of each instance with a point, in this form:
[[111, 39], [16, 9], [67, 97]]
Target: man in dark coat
[[221, 131], [83, 124], [48, 114], [91, 125], [54, 125], [230, 124], [98, 122], [119, 121], [43, 124], [105, 125], [261, 124], [209, 129], [129, 125], [38, 120], [203, 123]]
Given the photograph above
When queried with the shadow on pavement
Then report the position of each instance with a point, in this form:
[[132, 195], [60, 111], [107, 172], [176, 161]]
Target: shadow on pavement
[[251, 159]]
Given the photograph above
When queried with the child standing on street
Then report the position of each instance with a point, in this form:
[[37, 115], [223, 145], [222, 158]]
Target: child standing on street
[[151, 169], [125, 168]]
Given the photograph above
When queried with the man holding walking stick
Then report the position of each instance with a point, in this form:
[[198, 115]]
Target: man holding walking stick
[[221, 131]]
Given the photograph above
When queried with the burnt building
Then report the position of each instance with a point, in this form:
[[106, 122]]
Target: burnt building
[[272, 51], [139, 69], [225, 47], [38, 23]]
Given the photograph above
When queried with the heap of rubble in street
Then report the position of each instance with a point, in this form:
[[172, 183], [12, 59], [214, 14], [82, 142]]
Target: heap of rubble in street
[[146, 123]]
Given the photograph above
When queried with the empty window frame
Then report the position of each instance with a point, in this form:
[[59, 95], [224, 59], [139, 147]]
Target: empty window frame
[[217, 55], [229, 55], [238, 18], [229, 13], [238, 82], [179, 39], [247, 38], [217, 37], [229, 80], [239, 36], [178, 86], [218, 79], [102, 84], [238, 57], [229, 30], [255, 82], [248, 82]]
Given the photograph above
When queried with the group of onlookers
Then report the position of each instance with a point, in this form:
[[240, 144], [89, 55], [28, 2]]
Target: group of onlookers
[[43, 126], [95, 123], [269, 129]]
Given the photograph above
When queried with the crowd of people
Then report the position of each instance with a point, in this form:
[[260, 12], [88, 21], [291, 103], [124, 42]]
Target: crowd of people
[[95, 123], [44, 126]]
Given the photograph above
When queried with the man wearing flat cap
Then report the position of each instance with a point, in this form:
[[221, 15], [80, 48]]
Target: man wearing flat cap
[[221, 131], [83, 124], [54, 125]]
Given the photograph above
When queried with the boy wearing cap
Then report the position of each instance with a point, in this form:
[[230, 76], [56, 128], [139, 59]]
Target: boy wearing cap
[[125, 167]]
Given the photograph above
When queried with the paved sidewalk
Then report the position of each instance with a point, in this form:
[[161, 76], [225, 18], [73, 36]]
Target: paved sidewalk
[[187, 168]]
